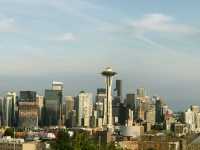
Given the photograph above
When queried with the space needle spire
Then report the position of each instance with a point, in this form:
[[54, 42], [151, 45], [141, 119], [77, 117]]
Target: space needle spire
[[107, 111]]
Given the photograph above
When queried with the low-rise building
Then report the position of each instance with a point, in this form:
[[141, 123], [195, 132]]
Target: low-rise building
[[195, 144], [161, 142], [131, 131], [7, 143]]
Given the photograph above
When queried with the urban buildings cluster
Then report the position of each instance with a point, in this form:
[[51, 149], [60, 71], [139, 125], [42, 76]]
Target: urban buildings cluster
[[102, 110], [136, 121]]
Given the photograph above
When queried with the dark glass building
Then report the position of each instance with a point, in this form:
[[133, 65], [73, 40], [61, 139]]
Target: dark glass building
[[52, 103], [27, 96]]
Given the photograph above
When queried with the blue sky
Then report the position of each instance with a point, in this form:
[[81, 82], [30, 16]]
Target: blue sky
[[150, 44]]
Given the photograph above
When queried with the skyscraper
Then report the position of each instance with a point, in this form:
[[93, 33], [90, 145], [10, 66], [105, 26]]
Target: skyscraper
[[28, 114], [28, 110], [28, 96], [159, 110], [69, 107], [52, 107], [150, 114], [141, 92], [1, 111], [119, 88], [9, 107], [84, 109], [57, 85], [117, 100], [40, 105], [130, 100], [108, 119], [100, 98]]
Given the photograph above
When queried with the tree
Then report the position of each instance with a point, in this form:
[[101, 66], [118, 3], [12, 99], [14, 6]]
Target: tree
[[111, 146], [9, 132], [83, 142], [62, 141], [80, 141]]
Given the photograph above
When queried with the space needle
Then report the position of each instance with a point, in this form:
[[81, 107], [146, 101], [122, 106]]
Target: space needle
[[107, 109]]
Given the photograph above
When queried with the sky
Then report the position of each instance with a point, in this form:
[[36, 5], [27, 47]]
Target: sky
[[152, 44]]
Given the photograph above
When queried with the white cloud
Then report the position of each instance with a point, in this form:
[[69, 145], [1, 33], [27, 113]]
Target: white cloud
[[7, 25], [66, 37], [161, 23]]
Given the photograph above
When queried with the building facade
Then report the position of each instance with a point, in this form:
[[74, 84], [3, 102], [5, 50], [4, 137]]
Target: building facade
[[84, 109]]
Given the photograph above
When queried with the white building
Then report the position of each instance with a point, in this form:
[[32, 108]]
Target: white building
[[57, 85], [131, 131], [198, 122], [190, 119], [8, 143], [84, 109]]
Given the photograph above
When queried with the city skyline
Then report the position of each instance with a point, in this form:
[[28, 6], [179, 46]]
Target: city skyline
[[154, 46]]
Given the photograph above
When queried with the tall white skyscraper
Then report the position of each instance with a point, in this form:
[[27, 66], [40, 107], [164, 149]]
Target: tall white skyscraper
[[84, 109], [108, 119]]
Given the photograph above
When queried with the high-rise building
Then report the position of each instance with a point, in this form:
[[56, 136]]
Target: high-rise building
[[123, 114], [100, 98], [72, 119], [198, 121], [101, 91], [94, 119], [40, 105], [117, 100], [130, 101], [57, 85], [141, 92], [9, 107], [195, 108], [119, 88], [159, 110], [52, 104], [28, 96], [84, 109], [68, 108], [150, 114], [140, 109], [69, 105], [190, 119], [108, 119], [1, 111], [28, 114]]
